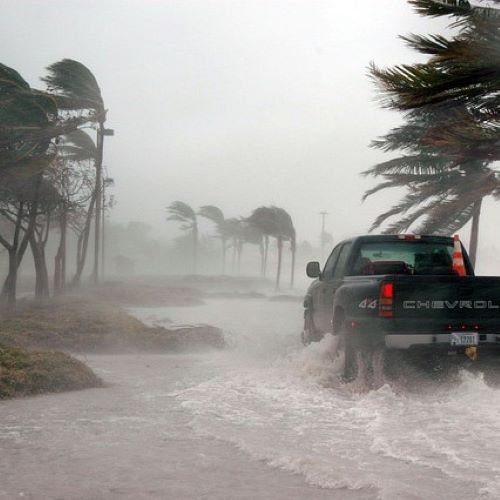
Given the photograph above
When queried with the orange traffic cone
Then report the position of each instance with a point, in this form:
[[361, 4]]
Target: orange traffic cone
[[458, 259]]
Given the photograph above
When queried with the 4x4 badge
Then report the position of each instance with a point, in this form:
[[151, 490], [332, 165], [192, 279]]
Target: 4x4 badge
[[368, 304]]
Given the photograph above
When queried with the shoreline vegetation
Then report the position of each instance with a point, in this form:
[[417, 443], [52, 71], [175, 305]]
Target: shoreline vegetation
[[38, 338]]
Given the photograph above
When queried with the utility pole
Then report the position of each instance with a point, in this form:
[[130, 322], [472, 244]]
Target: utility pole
[[322, 237], [103, 219]]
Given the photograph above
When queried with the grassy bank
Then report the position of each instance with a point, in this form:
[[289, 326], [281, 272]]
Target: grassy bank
[[82, 325], [31, 333], [24, 373]]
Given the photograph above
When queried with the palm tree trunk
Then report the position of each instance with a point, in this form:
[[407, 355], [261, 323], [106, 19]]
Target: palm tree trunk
[[84, 244], [223, 255], [233, 260], [240, 251], [292, 277], [280, 252], [474, 234], [266, 253], [62, 246], [261, 251], [195, 248], [98, 203]]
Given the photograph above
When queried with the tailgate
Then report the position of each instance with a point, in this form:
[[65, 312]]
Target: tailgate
[[446, 298]]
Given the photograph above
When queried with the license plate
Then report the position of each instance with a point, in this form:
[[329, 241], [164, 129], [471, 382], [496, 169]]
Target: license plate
[[464, 338]]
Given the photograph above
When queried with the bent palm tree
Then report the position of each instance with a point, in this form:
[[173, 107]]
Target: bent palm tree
[[286, 232], [275, 222], [182, 212], [263, 218], [77, 89]]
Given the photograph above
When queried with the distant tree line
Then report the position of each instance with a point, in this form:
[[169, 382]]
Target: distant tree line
[[451, 135], [258, 228], [50, 171]]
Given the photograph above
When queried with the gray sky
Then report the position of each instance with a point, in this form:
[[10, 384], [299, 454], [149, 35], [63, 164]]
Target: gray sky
[[236, 103]]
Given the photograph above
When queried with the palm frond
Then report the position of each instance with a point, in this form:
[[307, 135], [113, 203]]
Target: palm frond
[[182, 212], [437, 8], [432, 45], [74, 80], [78, 146], [418, 164], [212, 213], [448, 217]]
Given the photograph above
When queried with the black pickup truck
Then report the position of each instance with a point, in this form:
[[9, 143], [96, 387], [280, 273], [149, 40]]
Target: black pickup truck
[[401, 292]]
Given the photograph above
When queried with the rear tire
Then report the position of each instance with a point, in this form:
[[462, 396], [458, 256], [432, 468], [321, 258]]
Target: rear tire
[[351, 362], [362, 358]]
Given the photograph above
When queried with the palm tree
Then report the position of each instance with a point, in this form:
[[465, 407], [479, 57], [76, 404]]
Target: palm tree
[[286, 232], [263, 218], [275, 222], [216, 215], [182, 212], [452, 129], [77, 89]]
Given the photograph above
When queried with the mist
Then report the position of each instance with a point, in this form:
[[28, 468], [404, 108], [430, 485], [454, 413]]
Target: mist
[[157, 324]]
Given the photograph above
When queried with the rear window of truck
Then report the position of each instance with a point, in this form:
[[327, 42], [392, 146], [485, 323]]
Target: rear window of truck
[[403, 257]]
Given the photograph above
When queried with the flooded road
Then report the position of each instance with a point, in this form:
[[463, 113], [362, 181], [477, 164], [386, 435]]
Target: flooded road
[[265, 418]]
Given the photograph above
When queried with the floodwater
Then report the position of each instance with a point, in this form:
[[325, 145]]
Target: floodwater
[[263, 419]]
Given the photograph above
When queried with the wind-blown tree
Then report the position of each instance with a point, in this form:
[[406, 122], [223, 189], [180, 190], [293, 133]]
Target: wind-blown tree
[[77, 90], [215, 214], [286, 232], [275, 222], [263, 218], [182, 212], [452, 131]]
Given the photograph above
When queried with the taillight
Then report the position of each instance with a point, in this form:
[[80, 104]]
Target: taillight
[[386, 300]]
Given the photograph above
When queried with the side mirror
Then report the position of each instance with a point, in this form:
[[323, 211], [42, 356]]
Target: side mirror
[[313, 270]]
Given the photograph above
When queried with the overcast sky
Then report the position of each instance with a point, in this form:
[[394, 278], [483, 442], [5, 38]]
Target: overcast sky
[[237, 103]]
